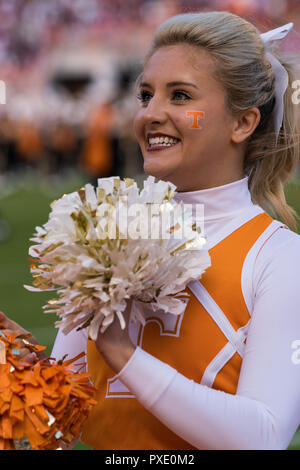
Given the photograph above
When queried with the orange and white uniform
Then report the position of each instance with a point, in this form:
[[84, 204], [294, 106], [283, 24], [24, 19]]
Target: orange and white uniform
[[225, 374]]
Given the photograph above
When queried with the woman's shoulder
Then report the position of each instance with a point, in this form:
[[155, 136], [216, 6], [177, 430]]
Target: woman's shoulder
[[276, 266], [283, 236], [280, 239], [279, 252]]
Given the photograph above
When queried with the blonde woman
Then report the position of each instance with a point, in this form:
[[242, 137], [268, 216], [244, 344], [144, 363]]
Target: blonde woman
[[226, 373]]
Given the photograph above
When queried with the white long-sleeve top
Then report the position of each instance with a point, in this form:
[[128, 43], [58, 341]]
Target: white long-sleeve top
[[265, 411]]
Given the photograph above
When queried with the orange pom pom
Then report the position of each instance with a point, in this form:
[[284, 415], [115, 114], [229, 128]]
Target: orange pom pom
[[42, 404]]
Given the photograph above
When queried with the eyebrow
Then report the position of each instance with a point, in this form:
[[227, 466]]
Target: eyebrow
[[170, 84]]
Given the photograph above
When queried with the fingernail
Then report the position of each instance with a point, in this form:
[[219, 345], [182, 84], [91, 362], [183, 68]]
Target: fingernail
[[31, 357]]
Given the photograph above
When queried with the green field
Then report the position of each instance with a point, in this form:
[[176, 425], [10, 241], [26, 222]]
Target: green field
[[24, 204]]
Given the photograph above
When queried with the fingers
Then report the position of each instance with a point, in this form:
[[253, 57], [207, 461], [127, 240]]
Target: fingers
[[3, 319], [24, 341], [31, 357], [24, 352], [9, 326], [7, 323], [7, 331]]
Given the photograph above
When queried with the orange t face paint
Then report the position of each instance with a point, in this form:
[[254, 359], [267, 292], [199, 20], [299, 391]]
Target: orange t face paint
[[195, 114]]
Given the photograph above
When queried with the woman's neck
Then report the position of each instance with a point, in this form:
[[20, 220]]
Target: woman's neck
[[219, 210], [219, 201], [216, 177]]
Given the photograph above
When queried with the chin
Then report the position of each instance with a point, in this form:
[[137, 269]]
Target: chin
[[156, 171], [159, 171]]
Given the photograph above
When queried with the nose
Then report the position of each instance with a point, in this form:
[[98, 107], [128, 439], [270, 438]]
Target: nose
[[155, 112]]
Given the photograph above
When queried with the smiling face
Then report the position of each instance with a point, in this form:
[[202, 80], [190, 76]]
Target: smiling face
[[204, 156]]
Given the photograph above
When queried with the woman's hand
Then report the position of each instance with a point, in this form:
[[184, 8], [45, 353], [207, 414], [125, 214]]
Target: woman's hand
[[114, 344], [9, 326]]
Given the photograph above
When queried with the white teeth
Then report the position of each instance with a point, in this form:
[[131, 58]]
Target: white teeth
[[165, 141]]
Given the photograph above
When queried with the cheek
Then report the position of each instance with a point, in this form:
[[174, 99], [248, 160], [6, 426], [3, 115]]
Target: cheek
[[195, 120], [209, 128], [191, 123], [138, 125]]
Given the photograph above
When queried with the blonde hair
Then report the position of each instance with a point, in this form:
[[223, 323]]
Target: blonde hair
[[248, 78]]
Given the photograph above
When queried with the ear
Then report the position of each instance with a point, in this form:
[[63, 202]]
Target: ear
[[245, 124]]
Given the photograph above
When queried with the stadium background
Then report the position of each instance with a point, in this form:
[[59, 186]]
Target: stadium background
[[69, 68]]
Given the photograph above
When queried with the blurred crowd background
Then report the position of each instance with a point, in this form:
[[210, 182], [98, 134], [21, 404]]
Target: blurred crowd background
[[69, 67]]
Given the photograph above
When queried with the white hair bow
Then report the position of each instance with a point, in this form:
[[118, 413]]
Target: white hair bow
[[281, 75]]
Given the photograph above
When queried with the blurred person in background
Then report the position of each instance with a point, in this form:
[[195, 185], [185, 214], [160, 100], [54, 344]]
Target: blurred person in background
[[97, 158], [29, 144], [63, 147]]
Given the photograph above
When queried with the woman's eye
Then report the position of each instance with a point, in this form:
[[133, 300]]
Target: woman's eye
[[182, 93], [142, 96]]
